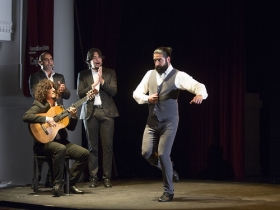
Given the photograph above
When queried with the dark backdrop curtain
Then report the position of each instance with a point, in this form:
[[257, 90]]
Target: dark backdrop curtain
[[216, 139], [39, 37], [208, 43], [96, 25]]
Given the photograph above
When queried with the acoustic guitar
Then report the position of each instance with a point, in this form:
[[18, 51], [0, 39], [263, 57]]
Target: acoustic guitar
[[43, 132]]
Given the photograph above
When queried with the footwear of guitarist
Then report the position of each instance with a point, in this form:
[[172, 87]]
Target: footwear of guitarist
[[55, 190], [75, 190]]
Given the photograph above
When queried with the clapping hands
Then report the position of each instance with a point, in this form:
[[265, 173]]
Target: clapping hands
[[61, 89], [98, 79]]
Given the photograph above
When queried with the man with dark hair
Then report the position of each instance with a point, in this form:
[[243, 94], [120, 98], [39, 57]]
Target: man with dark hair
[[45, 102], [46, 63], [98, 114], [163, 85]]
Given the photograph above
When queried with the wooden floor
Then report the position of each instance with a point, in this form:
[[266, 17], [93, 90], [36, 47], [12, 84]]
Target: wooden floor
[[144, 193]]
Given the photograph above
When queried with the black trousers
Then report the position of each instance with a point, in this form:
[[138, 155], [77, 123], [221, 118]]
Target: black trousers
[[58, 150], [98, 125]]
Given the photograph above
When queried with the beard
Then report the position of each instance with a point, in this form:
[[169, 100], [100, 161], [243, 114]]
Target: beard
[[161, 69]]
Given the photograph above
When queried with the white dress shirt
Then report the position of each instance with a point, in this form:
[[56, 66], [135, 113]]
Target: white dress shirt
[[183, 81], [51, 76], [97, 100]]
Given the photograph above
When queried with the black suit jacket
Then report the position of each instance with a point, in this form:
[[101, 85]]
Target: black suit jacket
[[35, 78], [106, 91]]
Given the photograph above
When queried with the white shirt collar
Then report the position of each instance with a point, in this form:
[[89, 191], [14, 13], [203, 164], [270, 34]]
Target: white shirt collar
[[93, 71], [168, 70], [47, 73]]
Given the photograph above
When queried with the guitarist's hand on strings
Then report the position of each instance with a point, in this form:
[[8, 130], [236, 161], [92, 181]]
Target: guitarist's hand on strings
[[51, 121]]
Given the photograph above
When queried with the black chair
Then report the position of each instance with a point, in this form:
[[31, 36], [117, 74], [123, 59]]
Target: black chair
[[37, 171]]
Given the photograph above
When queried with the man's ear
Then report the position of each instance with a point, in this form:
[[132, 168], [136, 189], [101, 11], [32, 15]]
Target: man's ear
[[168, 59]]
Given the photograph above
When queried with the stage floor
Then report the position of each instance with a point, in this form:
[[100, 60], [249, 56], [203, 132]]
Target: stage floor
[[143, 194]]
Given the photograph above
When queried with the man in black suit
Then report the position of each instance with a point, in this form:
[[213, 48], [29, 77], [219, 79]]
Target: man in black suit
[[46, 63], [98, 114]]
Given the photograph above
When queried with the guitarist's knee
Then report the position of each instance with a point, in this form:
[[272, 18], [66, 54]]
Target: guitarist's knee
[[60, 150]]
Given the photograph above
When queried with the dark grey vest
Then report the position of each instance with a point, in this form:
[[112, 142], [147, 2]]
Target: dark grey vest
[[167, 107]]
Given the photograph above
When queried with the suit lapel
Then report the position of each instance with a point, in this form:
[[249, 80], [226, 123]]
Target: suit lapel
[[104, 72], [42, 75], [90, 77]]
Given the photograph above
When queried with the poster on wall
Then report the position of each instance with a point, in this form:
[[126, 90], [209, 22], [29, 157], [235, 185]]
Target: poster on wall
[[39, 36]]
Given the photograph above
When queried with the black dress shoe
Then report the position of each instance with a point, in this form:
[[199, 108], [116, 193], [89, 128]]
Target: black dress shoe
[[75, 190], [93, 182], [107, 183], [166, 197], [55, 190], [175, 176]]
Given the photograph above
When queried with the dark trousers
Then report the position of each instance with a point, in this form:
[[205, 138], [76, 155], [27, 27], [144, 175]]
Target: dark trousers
[[156, 148], [98, 125], [58, 151]]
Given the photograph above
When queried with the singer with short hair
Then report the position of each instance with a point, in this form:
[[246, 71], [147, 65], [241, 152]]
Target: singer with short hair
[[46, 63]]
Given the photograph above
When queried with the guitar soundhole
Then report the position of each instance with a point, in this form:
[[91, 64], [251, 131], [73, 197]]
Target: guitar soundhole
[[45, 130]]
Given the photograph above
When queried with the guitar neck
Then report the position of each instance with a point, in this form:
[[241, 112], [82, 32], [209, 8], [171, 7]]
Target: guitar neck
[[80, 102], [65, 112], [60, 116]]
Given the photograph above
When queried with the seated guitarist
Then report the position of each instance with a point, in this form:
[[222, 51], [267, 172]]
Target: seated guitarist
[[45, 100]]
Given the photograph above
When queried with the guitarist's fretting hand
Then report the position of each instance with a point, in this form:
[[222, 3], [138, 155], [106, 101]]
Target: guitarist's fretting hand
[[72, 111], [51, 121]]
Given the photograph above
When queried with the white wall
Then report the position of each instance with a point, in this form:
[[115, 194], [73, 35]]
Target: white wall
[[15, 141], [64, 52]]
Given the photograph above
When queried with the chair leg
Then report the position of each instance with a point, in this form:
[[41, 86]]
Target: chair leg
[[35, 183], [40, 168], [66, 174], [50, 175]]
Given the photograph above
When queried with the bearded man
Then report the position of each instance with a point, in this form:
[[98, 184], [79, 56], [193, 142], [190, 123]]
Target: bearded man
[[163, 85]]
